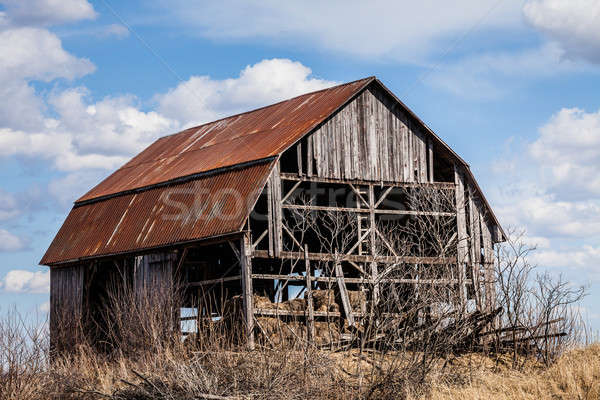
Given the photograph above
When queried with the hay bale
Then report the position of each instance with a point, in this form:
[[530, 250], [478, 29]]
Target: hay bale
[[296, 305], [326, 333], [262, 302], [324, 300], [357, 297]]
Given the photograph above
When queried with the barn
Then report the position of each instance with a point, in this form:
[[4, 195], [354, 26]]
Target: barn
[[320, 192]]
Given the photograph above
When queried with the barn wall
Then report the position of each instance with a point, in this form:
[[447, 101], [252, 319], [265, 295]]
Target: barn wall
[[153, 271], [371, 138], [66, 298]]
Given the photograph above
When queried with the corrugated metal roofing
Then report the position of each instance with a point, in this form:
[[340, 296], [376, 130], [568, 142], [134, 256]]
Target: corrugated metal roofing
[[245, 137], [213, 205]]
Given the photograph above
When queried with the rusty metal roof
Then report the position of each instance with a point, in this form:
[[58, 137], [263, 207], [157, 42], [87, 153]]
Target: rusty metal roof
[[253, 135], [212, 205]]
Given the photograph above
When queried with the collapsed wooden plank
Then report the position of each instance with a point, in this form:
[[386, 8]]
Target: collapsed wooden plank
[[344, 293]]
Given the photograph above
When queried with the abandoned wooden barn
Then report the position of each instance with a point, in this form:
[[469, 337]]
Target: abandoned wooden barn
[[283, 201]]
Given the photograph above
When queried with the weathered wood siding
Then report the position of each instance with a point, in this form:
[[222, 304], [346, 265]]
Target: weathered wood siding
[[481, 248], [66, 299], [153, 271], [371, 138]]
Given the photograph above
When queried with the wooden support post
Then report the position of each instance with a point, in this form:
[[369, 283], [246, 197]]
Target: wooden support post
[[247, 295], [299, 154], [475, 256], [374, 272], [488, 265], [461, 229], [430, 159], [339, 273], [276, 218], [309, 156], [310, 318]]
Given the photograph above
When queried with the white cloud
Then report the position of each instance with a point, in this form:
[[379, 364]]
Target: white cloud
[[10, 242], [400, 30], [21, 281], [31, 54], [116, 30], [574, 24], [202, 99], [101, 135], [47, 12], [8, 206], [38, 54], [569, 148], [492, 75], [587, 257], [552, 190]]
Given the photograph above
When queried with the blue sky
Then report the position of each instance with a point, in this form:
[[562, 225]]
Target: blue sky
[[512, 86]]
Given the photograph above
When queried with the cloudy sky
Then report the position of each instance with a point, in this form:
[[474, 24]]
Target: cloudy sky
[[512, 86]]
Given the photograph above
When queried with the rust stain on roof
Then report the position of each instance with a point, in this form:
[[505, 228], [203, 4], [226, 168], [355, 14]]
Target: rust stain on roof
[[213, 205], [250, 136]]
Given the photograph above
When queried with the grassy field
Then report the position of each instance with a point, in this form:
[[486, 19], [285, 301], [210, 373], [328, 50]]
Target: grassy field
[[297, 374]]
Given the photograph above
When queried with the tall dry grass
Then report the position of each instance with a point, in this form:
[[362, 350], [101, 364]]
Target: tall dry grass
[[180, 370], [576, 375]]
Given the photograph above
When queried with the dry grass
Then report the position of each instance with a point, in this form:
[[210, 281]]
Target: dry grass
[[182, 373], [576, 375]]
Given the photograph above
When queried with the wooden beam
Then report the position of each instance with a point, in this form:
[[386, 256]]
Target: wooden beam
[[430, 159], [374, 267], [301, 278], [247, 293], [461, 229], [261, 237], [367, 210], [309, 156], [339, 275], [291, 191], [215, 281], [365, 258], [384, 195], [310, 321], [299, 157], [294, 177]]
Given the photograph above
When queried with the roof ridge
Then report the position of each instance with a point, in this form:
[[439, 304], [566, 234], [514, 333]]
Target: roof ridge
[[372, 77]]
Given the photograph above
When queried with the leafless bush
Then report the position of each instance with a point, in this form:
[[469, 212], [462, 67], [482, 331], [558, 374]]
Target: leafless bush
[[540, 313], [23, 356]]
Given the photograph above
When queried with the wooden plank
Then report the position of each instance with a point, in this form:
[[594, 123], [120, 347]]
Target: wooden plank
[[299, 157], [247, 292], [276, 211], [366, 258], [461, 226], [324, 279], [339, 274], [276, 312], [321, 179], [214, 281], [270, 214], [430, 160], [488, 264], [475, 246], [368, 210], [310, 321], [309, 155]]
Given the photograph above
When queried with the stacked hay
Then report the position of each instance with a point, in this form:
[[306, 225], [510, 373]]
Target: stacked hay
[[357, 299], [282, 330], [324, 300]]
